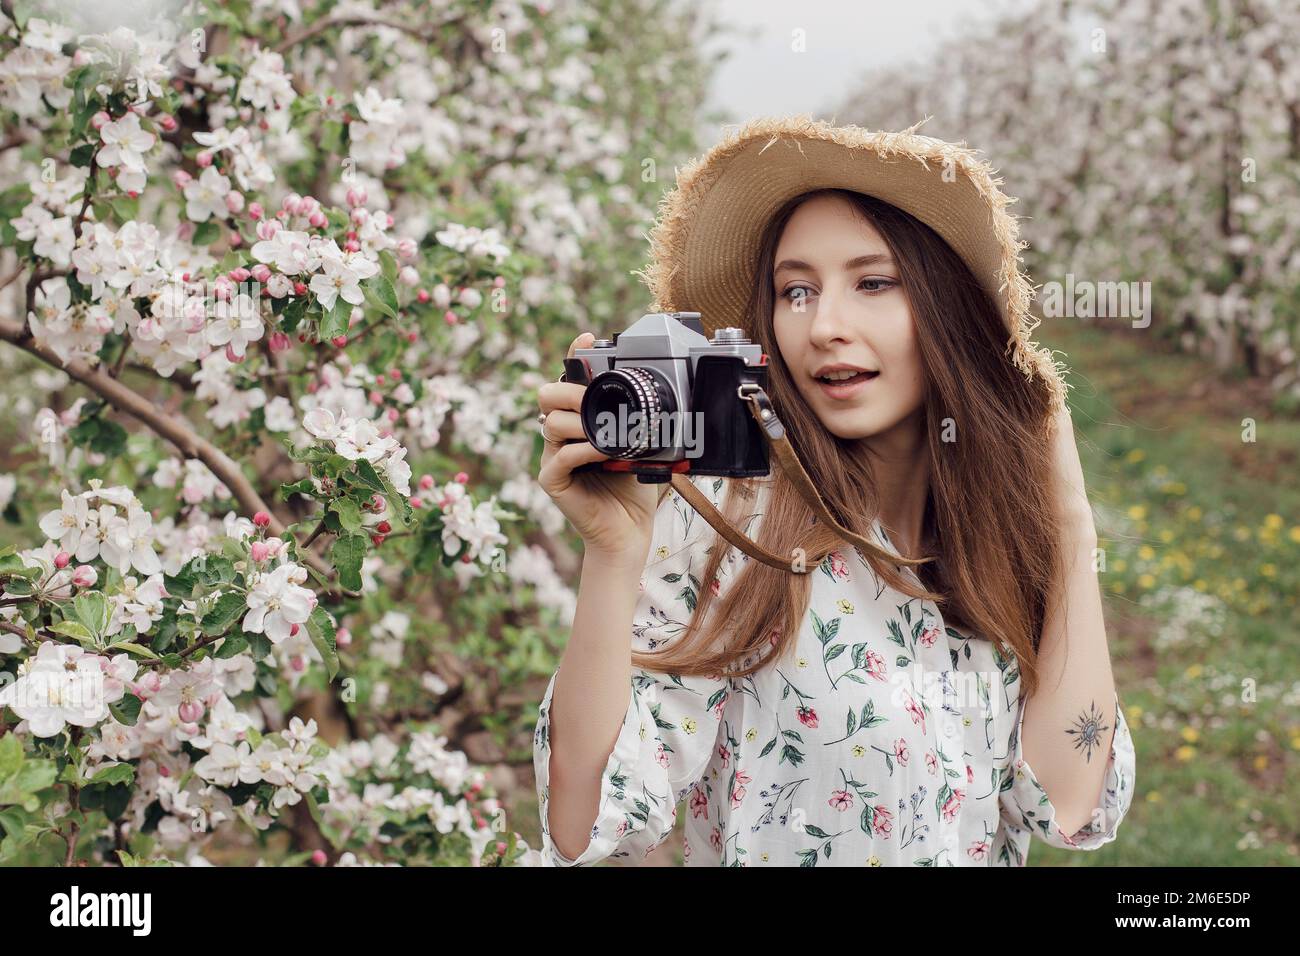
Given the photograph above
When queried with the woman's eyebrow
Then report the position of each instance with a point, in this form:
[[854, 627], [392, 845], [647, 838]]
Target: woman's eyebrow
[[873, 259]]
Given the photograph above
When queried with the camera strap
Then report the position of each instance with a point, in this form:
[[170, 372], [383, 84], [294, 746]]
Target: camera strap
[[760, 406]]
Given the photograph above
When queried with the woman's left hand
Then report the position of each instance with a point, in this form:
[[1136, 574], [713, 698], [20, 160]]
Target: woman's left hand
[[1072, 500]]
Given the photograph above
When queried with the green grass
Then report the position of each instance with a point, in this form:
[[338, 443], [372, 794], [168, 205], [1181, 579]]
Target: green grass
[[1201, 531]]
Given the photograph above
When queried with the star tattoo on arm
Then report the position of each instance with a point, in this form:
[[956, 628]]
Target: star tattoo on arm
[[1088, 730]]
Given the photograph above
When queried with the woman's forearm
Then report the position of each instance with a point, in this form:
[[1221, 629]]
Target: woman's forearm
[[591, 696], [1070, 721]]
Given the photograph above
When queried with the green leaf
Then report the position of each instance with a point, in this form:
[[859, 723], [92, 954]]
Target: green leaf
[[228, 609], [127, 710], [321, 629], [231, 645], [349, 514], [369, 477], [388, 265], [81, 156], [347, 555], [139, 650], [379, 291], [206, 233], [74, 630], [118, 773], [335, 322], [93, 611]]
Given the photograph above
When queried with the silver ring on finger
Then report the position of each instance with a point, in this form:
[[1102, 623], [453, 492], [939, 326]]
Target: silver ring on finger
[[545, 437]]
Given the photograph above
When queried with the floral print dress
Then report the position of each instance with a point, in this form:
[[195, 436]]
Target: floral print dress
[[886, 739]]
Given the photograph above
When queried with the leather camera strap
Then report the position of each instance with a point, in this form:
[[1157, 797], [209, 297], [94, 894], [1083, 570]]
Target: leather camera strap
[[760, 406]]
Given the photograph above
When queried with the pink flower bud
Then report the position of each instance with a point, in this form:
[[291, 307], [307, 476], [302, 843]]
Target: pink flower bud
[[376, 398], [318, 220], [407, 248], [388, 219], [222, 288], [190, 711], [343, 637], [422, 296], [357, 196], [293, 630], [259, 551], [235, 239], [255, 211], [377, 503], [203, 159], [274, 546], [394, 415], [268, 229], [377, 539], [319, 858], [408, 277], [262, 519], [234, 357], [416, 502], [100, 120], [290, 202], [85, 576], [300, 288], [426, 482], [167, 122], [239, 274], [359, 216], [185, 232], [234, 200], [261, 272], [412, 337], [339, 341], [308, 205], [279, 342], [499, 282], [450, 317], [352, 246], [61, 560], [461, 477], [181, 179]]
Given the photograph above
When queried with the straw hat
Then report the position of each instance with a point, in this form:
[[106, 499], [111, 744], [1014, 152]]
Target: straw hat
[[705, 242]]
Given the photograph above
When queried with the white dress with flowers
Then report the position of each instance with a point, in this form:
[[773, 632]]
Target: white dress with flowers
[[887, 738]]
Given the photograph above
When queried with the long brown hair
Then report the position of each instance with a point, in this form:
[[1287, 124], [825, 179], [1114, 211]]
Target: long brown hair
[[990, 518]]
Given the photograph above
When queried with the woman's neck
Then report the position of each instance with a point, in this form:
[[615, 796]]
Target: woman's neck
[[900, 465]]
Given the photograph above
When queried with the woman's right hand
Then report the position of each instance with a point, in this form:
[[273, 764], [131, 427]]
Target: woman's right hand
[[612, 511]]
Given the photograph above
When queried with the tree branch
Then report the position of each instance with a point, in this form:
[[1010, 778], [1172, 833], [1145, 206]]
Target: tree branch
[[173, 428]]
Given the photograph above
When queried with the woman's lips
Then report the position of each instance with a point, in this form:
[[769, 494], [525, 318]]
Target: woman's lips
[[848, 388]]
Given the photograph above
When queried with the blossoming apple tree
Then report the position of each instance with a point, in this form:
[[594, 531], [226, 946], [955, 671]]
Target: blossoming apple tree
[[277, 285]]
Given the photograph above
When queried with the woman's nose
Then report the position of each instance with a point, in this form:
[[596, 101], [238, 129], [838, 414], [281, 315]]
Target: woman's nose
[[828, 321]]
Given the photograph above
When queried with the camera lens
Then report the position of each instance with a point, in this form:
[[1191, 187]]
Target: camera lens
[[625, 411]]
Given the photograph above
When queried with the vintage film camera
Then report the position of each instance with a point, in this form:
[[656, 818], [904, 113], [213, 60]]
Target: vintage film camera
[[663, 398]]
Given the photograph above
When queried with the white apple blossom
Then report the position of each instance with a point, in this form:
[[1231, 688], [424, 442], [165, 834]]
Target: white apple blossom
[[61, 684], [205, 197], [277, 602]]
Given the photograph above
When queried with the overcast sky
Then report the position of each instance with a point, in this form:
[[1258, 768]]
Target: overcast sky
[[843, 39]]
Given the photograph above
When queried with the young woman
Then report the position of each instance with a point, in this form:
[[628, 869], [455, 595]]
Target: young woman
[[867, 713]]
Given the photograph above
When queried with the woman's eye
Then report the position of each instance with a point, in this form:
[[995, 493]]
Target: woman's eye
[[795, 292], [882, 284]]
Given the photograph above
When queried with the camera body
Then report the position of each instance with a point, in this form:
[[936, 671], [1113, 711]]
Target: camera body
[[663, 398]]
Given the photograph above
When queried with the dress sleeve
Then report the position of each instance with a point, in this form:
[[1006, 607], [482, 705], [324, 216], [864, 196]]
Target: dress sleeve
[[1024, 802], [672, 723]]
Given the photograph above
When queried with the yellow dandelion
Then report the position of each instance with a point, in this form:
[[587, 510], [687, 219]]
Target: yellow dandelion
[[1200, 584], [1146, 552], [1193, 672], [1136, 455], [1185, 753], [1147, 581], [1194, 513], [1134, 713], [1166, 535], [1294, 533], [1261, 762], [1137, 512], [1273, 522], [1295, 743], [1191, 734], [1153, 796], [1119, 564], [1268, 570], [1239, 584]]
